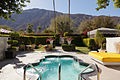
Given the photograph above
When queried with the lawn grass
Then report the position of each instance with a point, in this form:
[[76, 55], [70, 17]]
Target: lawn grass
[[83, 50], [81, 53], [81, 47], [40, 49]]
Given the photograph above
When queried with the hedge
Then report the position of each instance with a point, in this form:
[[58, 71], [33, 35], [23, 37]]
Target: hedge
[[4, 35], [12, 42], [40, 34], [33, 40], [67, 47], [90, 43], [77, 40], [86, 41], [37, 38]]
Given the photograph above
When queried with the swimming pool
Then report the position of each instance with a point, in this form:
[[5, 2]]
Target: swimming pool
[[70, 67]]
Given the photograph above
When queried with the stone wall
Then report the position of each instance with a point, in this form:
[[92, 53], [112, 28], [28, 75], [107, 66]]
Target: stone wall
[[113, 45], [3, 46]]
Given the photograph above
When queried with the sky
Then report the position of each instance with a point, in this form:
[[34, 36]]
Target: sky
[[77, 7]]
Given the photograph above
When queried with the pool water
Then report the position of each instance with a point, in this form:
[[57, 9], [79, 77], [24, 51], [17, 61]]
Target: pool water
[[49, 68]]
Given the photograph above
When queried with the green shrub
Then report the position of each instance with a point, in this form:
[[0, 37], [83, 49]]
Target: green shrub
[[4, 35], [92, 44], [27, 40], [69, 34], [70, 47], [77, 40], [41, 40], [104, 46], [39, 34], [12, 42], [86, 41], [57, 40], [104, 40], [12, 48], [14, 35], [33, 40]]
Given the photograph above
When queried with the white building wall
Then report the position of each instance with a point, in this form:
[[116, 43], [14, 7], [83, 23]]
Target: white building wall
[[111, 44], [3, 46]]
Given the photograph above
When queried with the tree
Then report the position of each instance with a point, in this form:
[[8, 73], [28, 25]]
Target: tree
[[97, 22], [105, 3], [29, 28], [99, 38], [118, 28], [62, 24], [47, 31], [21, 30], [7, 7], [103, 21], [86, 25], [39, 29]]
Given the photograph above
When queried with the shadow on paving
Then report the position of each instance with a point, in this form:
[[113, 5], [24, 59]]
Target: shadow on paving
[[79, 51], [21, 53], [115, 67], [16, 62]]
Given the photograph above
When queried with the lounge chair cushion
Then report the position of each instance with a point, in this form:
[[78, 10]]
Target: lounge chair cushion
[[106, 57]]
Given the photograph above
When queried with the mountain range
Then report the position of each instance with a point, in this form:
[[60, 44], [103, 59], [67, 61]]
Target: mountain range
[[42, 17]]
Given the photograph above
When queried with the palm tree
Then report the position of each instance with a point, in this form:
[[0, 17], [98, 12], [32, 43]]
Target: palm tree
[[69, 14], [54, 14], [39, 29]]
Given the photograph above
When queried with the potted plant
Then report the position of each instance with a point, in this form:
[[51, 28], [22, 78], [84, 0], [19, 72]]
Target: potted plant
[[11, 51], [69, 40], [50, 40], [49, 47], [100, 40]]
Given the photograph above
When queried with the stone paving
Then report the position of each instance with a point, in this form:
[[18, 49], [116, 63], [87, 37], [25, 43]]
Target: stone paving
[[8, 68]]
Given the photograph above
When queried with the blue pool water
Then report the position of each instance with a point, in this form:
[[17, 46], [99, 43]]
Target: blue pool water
[[49, 68]]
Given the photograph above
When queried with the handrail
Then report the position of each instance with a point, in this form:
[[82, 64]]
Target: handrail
[[59, 71], [33, 68], [95, 65]]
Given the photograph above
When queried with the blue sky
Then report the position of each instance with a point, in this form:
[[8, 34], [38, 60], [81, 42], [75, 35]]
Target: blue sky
[[77, 6]]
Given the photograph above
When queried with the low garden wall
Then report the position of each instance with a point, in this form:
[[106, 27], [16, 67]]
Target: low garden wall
[[3, 46]]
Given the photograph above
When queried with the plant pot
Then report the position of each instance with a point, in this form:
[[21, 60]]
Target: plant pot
[[10, 54], [49, 48], [101, 50]]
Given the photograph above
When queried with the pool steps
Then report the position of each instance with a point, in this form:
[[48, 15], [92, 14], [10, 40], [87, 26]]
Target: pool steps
[[59, 71], [95, 66], [34, 69]]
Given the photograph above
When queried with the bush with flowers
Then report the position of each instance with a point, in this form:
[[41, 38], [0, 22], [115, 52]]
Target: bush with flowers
[[69, 40], [50, 46], [50, 40]]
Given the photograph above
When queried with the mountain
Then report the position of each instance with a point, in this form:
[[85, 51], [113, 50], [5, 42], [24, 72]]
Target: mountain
[[42, 17]]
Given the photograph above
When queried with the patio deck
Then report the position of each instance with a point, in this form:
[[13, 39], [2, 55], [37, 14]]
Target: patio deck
[[8, 68]]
